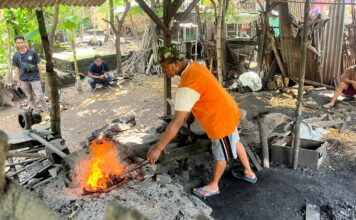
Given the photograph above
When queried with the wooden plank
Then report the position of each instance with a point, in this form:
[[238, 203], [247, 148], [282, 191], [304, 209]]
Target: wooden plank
[[179, 153], [253, 159]]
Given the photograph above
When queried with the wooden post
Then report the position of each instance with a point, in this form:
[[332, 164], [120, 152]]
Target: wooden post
[[51, 75], [262, 44], [298, 114], [263, 139]]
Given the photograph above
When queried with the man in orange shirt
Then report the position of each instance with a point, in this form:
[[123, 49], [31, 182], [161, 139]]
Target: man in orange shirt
[[216, 111]]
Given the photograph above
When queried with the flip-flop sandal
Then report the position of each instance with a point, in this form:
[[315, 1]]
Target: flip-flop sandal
[[241, 176], [203, 193]]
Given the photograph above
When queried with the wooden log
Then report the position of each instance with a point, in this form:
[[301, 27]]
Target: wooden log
[[18, 203], [4, 149], [263, 139], [253, 159]]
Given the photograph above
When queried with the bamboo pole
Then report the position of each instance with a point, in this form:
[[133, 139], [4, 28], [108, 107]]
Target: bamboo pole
[[218, 41], [296, 141]]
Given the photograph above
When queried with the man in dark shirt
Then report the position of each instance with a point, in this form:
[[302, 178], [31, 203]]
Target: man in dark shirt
[[98, 73], [28, 71]]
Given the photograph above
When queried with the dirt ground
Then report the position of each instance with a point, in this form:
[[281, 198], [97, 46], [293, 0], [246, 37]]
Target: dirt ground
[[280, 193]]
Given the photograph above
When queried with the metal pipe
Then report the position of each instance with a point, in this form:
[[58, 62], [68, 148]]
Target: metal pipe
[[47, 144]]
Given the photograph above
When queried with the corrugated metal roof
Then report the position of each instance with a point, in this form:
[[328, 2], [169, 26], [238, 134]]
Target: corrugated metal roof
[[45, 3]]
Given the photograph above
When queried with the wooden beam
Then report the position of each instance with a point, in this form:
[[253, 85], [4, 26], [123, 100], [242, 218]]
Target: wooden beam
[[153, 16]]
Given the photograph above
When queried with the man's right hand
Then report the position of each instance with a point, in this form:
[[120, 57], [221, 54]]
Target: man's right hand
[[18, 85], [354, 84]]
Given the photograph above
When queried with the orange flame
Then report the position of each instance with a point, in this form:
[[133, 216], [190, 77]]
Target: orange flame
[[102, 165]]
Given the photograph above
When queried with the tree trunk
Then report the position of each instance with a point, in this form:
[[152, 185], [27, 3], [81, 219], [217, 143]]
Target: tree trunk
[[8, 78], [118, 54], [107, 36], [218, 41], [54, 25], [111, 5], [51, 75], [13, 22], [77, 78], [93, 21]]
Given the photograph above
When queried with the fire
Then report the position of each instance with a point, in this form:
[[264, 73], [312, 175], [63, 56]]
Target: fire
[[103, 167]]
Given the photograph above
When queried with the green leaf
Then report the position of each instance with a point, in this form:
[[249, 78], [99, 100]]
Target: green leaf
[[84, 20], [32, 35], [69, 25]]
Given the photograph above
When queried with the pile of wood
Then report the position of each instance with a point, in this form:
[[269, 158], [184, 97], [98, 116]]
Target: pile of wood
[[144, 57]]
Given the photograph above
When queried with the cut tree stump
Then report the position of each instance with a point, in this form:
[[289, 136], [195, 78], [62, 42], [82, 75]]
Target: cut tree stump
[[5, 97]]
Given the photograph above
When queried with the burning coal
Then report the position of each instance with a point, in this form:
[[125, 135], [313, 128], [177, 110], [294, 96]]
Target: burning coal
[[102, 168]]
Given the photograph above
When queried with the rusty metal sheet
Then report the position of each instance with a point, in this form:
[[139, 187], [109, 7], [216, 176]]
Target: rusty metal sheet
[[46, 3]]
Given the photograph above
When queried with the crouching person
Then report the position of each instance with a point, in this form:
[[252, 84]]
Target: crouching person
[[347, 86], [99, 73], [214, 109]]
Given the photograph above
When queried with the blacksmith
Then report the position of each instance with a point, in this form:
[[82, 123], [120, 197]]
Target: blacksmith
[[347, 86], [99, 73], [216, 111], [28, 71]]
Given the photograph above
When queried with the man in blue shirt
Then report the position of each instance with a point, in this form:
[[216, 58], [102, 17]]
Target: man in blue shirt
[[98, 73]]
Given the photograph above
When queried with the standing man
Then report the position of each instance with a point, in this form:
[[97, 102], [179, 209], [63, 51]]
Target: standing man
[[28, 71], [98, 73], [347, 86], [214, 109]]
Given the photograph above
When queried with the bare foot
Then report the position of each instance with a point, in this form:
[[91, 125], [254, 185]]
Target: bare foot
[[249, 174], [329, 105], [208, 189]]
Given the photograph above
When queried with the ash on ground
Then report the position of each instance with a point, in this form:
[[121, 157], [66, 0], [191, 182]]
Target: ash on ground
[[157, 197]]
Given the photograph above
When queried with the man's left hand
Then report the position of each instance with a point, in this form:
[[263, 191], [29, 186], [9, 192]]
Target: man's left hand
[[153, 154]]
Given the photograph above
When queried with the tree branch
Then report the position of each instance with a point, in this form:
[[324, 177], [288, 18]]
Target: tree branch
[[111, 25], [127, 8], [153, 16], [184, 15]]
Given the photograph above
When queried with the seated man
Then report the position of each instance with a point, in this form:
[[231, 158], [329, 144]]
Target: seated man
[[98, 73], [347, 85]]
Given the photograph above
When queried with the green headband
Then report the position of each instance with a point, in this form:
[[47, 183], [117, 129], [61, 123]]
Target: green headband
[[170, 52]]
